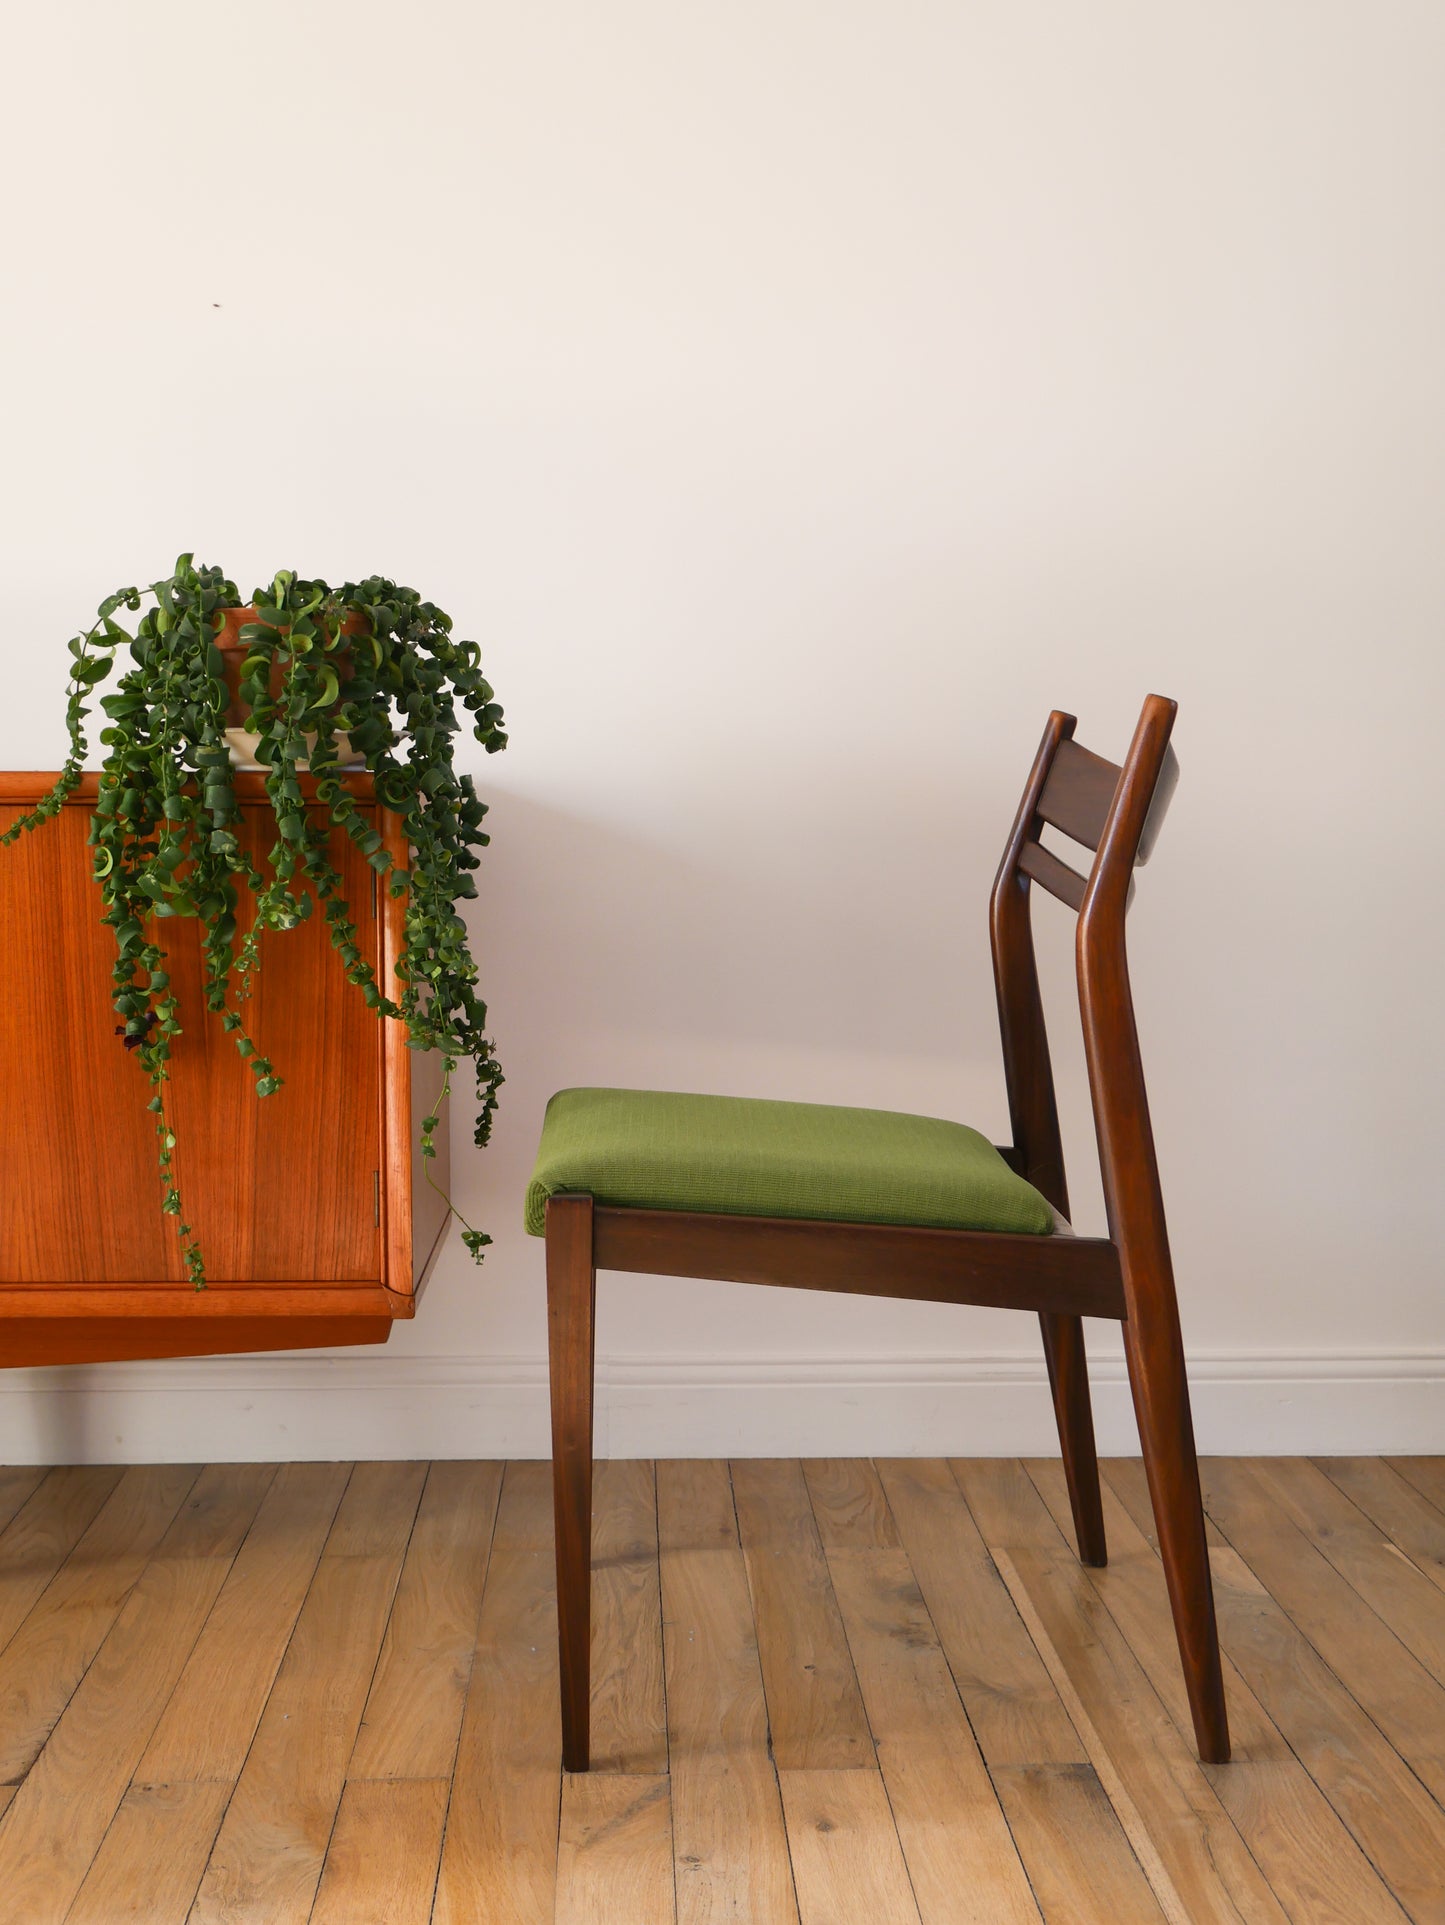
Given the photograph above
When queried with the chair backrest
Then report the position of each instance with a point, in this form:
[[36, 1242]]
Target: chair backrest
[[1115, 810]]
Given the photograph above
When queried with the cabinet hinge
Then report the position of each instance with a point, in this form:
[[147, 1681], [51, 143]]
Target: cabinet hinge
[[376, 1198]]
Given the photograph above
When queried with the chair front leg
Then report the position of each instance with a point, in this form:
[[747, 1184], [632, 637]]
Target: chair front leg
[[571, 1349]]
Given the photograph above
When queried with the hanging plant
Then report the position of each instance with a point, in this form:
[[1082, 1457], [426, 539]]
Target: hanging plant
[[307, 679]]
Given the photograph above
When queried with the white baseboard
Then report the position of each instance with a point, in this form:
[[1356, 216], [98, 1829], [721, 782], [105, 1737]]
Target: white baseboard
[[370, 1404]]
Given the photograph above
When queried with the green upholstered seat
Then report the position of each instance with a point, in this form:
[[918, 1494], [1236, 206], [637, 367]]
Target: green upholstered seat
[[742, 1156]]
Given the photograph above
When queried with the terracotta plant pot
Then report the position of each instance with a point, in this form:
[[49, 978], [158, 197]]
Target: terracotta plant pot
[[242, 739]]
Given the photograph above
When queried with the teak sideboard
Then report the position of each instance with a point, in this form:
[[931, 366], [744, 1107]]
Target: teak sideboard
[[312, 1226]]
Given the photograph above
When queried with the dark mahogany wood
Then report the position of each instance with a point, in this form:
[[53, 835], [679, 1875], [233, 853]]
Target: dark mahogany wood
[[1153, 1345], [1079, 792], [571, 1341], [1128, 1276], [1076, 1276], [307, 1196], [1042, 866], [1037, 1151]]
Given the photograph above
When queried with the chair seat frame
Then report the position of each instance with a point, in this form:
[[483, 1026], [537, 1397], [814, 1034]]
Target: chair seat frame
[[1127, 1276]]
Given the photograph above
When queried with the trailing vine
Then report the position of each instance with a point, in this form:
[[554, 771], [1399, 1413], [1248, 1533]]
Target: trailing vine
[[370, 662]]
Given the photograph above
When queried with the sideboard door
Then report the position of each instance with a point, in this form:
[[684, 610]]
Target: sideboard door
[[281, 1189]]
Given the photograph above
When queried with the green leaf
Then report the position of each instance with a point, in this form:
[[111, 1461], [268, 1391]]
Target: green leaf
[[166, 804]]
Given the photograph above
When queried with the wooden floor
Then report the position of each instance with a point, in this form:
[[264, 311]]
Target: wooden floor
[[834, 1693]]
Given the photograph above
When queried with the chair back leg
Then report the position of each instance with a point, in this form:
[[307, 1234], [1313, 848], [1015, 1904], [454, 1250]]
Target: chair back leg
[[1154, 1350], [571, 1352], [1069, 1382]]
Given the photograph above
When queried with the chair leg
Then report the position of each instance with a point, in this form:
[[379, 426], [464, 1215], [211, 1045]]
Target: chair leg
[[571, 1326], [1069, 1382], [1155, 1354]]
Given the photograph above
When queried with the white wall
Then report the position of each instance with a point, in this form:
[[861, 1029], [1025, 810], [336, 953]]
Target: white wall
[[798, 400]]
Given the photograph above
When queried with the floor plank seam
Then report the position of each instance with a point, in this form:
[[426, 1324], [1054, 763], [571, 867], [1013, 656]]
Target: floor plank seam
[[666, 1710], [155, 1724], [1184, 1729], [1135, 1830], [1312, 1538], [370, 1684], [1342, 1815], [466, 1693], [266, 1699], [1086, 1672], [115, 1617], [1363, 1712], [39, 1599], [1387, 1542], [963, 1710]]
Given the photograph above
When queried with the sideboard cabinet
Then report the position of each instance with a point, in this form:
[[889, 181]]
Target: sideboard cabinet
[[312, 1226]]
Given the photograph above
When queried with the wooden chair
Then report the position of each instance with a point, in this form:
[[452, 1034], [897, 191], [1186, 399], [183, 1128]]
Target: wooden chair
[[1114, 811]]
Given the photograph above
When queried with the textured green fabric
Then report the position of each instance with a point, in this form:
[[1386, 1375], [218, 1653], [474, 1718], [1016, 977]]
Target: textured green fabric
[[741, 1156]]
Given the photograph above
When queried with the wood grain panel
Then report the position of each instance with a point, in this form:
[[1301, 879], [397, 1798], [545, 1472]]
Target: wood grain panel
[[1197, 1865], [815, 1712], [850, 1505], [1387, 1680], [381, 1864], [614, 1851], [134, 1332], [62, 1811], [1010, 1698], [1395, 1588], [264, 1202], [17, 1486], [1177, 1822], [49, 1654], [269, 1855], [847, 1862], [729, 1843], [1412, 1524], [147, 1870], [962, 1859], [318, 1150], [42, 1534], [1298, 1840], [414, 1709], [1398, 1825], [629, 1722], [211, 1718], [1424, 1474], [1067, 1832], [499, 1861], [1080, 1864], [415, 1209], [1339, 1829]]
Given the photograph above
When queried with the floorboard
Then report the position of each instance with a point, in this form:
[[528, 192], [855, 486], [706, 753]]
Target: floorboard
[[499, 1858], [824, 1692], [1300, 1842], [268, 1857]]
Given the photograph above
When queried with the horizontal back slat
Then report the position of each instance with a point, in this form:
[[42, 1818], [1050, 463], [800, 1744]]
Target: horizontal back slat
[[1078, 793], [1051, 874]]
